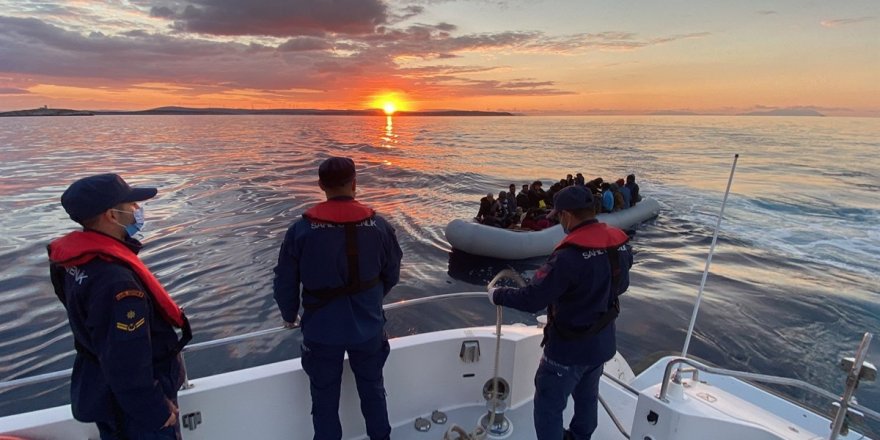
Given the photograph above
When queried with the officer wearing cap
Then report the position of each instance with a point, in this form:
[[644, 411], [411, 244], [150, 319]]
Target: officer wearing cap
[[578, 285], [127, 368], [346, 257]]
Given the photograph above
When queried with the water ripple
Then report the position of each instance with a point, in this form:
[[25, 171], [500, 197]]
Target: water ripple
[[794, 277]]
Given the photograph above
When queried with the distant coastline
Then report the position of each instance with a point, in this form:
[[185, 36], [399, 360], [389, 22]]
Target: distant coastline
[[233, 111], [173, 110], [785, 112], [48, 112]]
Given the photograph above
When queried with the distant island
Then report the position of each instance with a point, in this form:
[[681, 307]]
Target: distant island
[[790, 111], [237, 111], [674, 113], [44, 111], [795, 111]]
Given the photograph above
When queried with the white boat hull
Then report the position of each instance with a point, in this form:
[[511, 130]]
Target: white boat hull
[[426, 373], [423, 373], [488, 241]]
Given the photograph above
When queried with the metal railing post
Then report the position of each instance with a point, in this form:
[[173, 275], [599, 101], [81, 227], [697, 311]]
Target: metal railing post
[[852, 382], [186, 384]]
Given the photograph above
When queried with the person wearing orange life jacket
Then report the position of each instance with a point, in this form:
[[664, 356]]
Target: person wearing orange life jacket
[[127, 368], [346, 257], [578, 285]]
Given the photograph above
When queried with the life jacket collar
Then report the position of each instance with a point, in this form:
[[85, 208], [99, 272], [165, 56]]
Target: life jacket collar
[[594, 235], [339, 211], [80, 247]]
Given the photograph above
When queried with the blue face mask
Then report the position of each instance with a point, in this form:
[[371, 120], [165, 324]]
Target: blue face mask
[[138, 224]]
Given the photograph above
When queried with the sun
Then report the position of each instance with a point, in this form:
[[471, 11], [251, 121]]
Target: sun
[[389, 102]]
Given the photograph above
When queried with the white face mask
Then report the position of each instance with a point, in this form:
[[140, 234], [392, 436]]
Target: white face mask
[[137, 225]]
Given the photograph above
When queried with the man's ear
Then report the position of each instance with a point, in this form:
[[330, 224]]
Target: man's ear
[[354, 184], [107, 217]]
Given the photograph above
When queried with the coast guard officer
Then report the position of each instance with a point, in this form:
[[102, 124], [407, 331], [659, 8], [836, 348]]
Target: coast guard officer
[[127, 368], [347, 259], [578, 285]]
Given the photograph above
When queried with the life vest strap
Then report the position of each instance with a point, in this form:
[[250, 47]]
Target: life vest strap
[[354, 285]]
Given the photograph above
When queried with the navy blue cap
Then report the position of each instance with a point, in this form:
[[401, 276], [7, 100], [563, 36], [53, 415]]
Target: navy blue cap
[[336, 171], [90, 196], [571, 198]]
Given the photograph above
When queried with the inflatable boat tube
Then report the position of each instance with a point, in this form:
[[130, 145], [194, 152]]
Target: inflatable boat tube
[[488, 241]]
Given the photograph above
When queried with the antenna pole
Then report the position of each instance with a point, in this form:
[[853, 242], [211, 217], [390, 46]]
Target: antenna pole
[[690, 332]]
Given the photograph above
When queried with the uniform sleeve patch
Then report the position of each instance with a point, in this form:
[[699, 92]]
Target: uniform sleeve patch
[[130, 313], [129, 293], [542, 272], [130, 327]]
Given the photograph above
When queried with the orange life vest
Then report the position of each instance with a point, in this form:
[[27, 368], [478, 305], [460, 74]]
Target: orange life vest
[[594, 236], [339, 212], [80, 247]]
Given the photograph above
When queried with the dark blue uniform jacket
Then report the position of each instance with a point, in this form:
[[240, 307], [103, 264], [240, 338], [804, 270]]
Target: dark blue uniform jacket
[[126, 363], [577, 283], [313, 255]]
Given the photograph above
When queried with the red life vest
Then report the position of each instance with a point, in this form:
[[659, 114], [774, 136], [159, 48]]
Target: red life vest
[[80, 247], [594, 236], [339, 211]]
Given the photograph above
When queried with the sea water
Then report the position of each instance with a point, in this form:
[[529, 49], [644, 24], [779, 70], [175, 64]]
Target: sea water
[[794, 279]]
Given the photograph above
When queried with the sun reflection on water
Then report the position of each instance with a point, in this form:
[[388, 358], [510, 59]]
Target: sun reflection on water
[[389, 140]]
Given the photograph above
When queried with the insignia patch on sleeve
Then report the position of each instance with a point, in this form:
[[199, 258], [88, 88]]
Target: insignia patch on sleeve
[[130, 313], [129, 293], [130, 327]]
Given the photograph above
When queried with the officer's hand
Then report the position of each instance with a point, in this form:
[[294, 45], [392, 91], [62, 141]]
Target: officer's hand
[[491, 293], [294, 324], [172, 419]]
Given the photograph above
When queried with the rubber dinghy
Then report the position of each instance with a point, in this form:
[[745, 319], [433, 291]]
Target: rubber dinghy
[[488, 241]]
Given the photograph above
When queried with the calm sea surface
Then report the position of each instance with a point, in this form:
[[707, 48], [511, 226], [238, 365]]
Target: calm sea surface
[[794, 281]]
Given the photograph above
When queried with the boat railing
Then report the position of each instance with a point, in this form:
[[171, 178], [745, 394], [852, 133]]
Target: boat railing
[[844, 403], [65, 374]]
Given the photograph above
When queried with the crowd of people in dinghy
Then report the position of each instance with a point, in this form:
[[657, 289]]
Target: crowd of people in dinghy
[[528, 209]]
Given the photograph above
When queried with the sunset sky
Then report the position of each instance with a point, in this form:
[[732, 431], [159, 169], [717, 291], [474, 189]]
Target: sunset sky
[[526, 56]]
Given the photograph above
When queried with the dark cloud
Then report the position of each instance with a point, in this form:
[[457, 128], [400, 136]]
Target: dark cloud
[[405, 13], [430, 42], [31, 47], [162, 12], [474, 88], [137, 33], [766, 12], [605, 41], [280, 18], [446, 27], [13, 91], [324, 62]]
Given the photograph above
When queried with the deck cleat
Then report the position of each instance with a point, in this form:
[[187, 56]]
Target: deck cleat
[[438, 417], [422, 424]]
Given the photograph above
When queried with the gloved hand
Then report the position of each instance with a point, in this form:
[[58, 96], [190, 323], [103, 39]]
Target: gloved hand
[[491, 293]]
